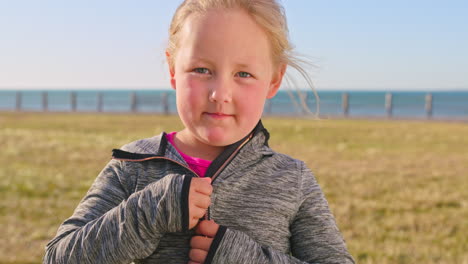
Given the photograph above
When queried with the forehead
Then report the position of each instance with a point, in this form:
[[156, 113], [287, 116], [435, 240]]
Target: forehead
[[225, 34]]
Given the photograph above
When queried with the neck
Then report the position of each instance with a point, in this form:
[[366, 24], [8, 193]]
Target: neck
[[191, 146]]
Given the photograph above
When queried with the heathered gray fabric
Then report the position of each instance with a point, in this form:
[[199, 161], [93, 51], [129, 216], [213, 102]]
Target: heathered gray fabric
[[271, 204]]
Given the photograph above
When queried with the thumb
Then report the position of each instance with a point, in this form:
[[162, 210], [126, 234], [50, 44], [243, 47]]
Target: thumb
[[208, 179]]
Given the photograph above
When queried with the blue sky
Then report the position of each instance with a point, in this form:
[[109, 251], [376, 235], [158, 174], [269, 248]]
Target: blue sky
[[361, 44]]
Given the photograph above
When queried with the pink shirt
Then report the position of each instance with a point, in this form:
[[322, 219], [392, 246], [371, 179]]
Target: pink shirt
[[196, 164]]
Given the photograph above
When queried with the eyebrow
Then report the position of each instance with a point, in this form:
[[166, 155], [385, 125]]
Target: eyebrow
[[242, 65]]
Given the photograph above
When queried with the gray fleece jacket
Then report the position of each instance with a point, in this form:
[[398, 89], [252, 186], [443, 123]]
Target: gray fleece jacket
[[269, 206]]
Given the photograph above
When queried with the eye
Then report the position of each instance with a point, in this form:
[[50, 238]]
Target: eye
[[244, 74], [202, 70]]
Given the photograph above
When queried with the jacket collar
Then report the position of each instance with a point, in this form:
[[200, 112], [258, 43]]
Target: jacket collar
[[158, 146], [257, 138]]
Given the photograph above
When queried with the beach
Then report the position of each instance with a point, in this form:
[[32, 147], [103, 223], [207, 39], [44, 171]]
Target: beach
[[437, 105]]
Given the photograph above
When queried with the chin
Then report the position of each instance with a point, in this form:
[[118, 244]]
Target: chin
[[220, 140], [221, 136]]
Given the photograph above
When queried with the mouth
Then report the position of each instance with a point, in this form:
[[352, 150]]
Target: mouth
[[217, 115]]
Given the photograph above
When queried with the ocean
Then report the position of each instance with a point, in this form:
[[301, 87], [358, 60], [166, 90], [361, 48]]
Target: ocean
[[415, 104]]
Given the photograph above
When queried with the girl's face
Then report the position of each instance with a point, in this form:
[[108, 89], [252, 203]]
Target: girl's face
[[222, 74]]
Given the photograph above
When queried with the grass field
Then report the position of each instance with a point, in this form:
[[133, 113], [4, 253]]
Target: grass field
[[399, 189]]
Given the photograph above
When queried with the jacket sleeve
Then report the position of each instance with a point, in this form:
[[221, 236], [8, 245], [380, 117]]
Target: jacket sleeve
[[110, 225], [315, 238]]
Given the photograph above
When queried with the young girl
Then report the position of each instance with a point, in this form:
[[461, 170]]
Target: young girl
[[213, 192]]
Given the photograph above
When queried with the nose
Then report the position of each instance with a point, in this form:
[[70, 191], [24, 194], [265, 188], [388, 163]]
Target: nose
[[221, 91]]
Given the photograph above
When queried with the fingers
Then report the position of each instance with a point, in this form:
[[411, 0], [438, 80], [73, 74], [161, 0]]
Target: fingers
[[206, 179], [200, 245], [195, 215], [207, 228], [199, 199], [200, 242], [197, 255], [198, 206], [202, 185]]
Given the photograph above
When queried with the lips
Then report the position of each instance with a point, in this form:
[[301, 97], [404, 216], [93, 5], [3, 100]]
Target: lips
[[218, 115]]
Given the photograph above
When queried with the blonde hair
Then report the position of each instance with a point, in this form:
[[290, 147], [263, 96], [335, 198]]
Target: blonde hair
[[268, 14]]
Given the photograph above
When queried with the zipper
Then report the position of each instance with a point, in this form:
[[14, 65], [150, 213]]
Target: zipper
[[188, 168], [208, 214], [229, 159], [164, 158]]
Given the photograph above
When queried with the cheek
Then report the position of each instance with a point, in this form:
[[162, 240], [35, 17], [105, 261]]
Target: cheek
[[253, 98], [190, 89], [192, 83]]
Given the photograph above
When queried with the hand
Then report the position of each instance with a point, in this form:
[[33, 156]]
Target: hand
[[200, 245], [199, 199]]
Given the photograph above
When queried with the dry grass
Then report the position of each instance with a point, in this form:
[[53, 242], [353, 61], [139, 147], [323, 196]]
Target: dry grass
[[397, 188]]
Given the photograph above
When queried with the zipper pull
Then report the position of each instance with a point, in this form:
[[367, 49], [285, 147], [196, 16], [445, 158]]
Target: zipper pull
[[207, 214]]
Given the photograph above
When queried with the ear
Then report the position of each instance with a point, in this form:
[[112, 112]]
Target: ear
[[171, 70], [276, 80]]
